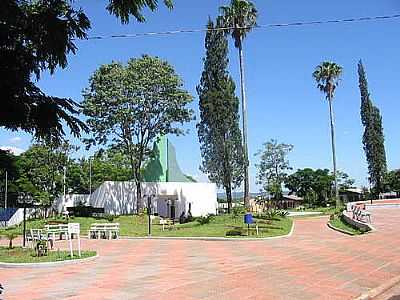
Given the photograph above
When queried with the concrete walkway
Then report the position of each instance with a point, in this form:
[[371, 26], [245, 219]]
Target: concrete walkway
[[315, 263]]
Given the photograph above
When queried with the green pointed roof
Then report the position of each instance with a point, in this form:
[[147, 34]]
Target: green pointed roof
[[163, 167]]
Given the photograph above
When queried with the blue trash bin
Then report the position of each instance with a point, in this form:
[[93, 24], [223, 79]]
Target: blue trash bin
[[248, 219]]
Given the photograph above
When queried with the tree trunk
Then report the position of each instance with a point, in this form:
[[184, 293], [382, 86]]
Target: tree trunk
[[228, 192], [244, 119], [333, 149]]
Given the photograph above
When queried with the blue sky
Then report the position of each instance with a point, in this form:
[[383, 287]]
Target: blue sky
[[283, 102]]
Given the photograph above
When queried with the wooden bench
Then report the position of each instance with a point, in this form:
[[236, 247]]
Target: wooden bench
[[361, 214], [107, 230], [56, 229], [167, 223]]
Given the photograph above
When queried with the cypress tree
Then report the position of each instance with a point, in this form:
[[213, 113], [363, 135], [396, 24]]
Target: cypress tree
[[218, 130], [373, 138]]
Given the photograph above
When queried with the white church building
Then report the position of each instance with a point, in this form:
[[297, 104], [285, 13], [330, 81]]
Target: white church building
[[170, 190]]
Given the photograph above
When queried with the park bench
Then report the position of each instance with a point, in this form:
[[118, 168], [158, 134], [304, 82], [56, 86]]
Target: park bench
[[35, 235], [360, 214], [167, 223], [106, 230], [56, 230]]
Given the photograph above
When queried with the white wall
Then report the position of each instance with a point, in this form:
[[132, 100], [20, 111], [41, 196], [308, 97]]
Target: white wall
[[120, 197], [70, 200]]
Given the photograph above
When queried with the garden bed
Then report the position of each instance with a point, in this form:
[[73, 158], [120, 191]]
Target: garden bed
[[27, 255], [338, 223]]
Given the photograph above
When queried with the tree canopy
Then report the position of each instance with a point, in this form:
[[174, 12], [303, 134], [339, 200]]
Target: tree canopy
[[316, 186], [373, 137], [34, 37], [131, 106], [37, 36], [218, 129], [123, 9], [240, 17], [327, 76], [273, 166]]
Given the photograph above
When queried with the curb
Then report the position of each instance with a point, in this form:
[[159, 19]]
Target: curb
[[371, 294], [48, 264], [199, 238], [340, 230]]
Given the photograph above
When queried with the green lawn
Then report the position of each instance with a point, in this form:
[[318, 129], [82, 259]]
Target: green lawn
[[20, 255], [324, 210], [137, 226], [339, 222]]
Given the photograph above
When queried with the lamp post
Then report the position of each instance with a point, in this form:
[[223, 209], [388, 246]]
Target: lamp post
[[149, 212], [6, 191], [90, 176], [24, 198]]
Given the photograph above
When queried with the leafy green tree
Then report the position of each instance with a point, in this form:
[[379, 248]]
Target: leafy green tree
[[106, 165], [314, 186], [327, 76], [41, 170], [125, 9], [273, 167], [239, 18], [131, 106], [218, 129], [301, 182], [344, 181], [37, 36], [7, 164], [373, 138], [392, 181]]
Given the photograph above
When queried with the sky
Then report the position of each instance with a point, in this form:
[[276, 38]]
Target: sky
[[283, 101]]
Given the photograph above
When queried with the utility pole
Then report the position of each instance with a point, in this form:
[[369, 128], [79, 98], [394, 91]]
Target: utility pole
[[90, 176], [6, 191], [65, 174]]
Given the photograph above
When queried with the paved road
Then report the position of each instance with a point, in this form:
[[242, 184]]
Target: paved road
[[315, 263]]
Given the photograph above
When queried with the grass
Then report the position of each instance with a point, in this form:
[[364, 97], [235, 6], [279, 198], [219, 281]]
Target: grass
[[340, 223], [137, 226], [322, 209], [27, 255]]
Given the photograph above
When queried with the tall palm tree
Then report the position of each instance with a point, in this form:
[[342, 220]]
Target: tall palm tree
[[239, 18], [327, 76]]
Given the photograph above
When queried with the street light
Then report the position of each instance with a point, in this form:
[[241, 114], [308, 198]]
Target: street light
[[149, 212], [24, 198]]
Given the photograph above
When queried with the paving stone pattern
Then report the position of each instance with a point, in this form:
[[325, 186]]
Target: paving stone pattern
[[314, 263]]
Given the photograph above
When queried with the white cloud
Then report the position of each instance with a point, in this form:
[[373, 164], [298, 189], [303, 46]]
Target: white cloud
[[12, 149], [15, 140]]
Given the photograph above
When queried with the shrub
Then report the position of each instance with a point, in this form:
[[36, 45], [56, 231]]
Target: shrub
[[238, 210], [204, 219], [10, 235], [234, 232], [109, 217], [271, 214], [283, 213], [56, 222]]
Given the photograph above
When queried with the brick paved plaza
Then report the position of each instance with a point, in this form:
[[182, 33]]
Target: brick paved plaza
[[314, 263]]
